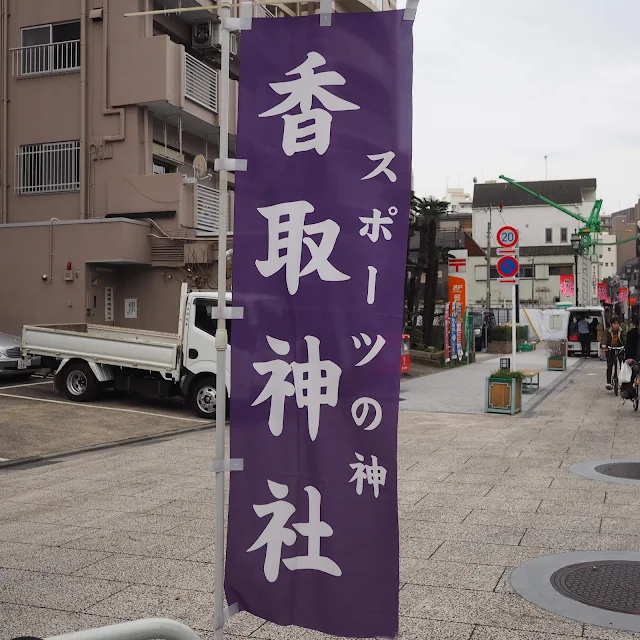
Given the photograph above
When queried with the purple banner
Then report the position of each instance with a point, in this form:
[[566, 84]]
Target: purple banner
[[320, 241]]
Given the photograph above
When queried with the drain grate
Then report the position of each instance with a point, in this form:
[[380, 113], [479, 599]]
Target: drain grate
[[630, 470], [613, 585]]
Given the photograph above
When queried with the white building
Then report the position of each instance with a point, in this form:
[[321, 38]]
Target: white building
[[461, 202], [545, 239]]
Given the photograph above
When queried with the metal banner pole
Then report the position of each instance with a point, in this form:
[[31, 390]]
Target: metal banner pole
[[513, 328], [221, 333]]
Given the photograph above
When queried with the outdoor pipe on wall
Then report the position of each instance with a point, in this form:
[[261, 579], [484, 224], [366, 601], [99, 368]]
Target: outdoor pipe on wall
[[4, 160], [106, 110], [51, 221], [83, 108]]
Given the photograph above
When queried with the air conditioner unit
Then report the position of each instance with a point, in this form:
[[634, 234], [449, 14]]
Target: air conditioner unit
[[206, 36]]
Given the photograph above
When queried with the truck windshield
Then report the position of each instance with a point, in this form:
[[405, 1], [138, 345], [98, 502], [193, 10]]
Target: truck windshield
[[204, 319]]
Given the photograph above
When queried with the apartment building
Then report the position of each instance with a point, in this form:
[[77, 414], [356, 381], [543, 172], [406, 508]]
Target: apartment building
[[101, 118]]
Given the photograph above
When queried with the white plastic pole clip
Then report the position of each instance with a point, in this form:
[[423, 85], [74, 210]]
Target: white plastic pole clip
[[228, 313], [326, 7], [227, 465], [229, 164]]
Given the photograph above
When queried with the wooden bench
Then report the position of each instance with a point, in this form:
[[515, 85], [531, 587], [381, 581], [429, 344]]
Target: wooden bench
[[530, 380]]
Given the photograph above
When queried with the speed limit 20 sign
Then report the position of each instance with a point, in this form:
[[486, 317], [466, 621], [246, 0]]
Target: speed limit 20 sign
[[508, 237], [509, 261]]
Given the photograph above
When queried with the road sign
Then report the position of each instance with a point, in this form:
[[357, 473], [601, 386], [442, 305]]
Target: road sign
[[508, 267], [508, 237]]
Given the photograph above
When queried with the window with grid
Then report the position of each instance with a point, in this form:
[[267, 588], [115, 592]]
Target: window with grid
[[51, 167], [48, 49]]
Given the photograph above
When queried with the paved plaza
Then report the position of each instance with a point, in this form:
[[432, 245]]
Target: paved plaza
[[125, 533]]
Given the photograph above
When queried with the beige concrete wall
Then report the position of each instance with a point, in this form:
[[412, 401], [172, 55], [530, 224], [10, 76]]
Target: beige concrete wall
[[24, 259]]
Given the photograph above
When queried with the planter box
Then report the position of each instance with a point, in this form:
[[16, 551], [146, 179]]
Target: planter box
[[503, 395], [503, 346], [557, 363]]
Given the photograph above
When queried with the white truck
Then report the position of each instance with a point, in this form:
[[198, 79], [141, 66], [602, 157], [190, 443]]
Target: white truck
[[87, 358]]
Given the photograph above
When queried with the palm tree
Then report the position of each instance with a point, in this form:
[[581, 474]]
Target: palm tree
[[425, 213]]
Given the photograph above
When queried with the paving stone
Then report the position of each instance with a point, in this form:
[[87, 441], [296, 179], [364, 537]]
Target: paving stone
[[462, 532], [492, 554], [580, 509], [65, 593], [161, 572], [449, 574], [193, 608], [140, 544], [493, 633], [535, 521], [599, 633], [31, 557], [433, 514], [580, 541], [41, 533], [21, 621], [621, 526], [478, 607]]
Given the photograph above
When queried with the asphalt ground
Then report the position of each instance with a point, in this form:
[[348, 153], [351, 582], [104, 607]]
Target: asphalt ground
[[35, 420]]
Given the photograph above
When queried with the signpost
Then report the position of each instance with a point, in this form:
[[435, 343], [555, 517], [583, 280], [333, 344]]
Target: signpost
[[508, 271]]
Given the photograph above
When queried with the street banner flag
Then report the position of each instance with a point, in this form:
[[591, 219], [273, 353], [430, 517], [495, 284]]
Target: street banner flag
[[567, 286], [320, 244]]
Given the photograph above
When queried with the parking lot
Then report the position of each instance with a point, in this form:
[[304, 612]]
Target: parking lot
[[37, 421]]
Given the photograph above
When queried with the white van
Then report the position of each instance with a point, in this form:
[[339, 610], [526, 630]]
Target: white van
[[595, 318]]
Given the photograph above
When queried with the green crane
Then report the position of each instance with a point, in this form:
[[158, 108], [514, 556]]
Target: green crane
[[592, 224]]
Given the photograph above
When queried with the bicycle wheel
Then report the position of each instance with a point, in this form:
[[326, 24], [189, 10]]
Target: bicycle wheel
[[636, 400], [615, 383]]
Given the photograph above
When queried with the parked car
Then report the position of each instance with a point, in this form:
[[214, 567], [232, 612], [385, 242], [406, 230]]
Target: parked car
[[11, 361]]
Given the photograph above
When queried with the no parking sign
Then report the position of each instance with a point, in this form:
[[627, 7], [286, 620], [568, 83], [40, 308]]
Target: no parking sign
[[509, 264]]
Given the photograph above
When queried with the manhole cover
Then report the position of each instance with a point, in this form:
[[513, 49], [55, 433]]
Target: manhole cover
[[629, 470], [606, 584]]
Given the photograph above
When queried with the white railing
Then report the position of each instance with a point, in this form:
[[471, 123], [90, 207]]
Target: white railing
[[46, 59], [201, 83], [207, 210], [52, 167], [262, 12]]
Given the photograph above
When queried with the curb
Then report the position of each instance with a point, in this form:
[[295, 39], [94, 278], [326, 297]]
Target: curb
[[105, 445], [558, 385]]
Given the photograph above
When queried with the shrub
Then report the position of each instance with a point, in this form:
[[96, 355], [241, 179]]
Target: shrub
[[503, 333], [557, 348], [506, 374]]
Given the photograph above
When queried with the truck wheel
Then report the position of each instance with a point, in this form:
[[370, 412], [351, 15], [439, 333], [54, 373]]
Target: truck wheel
[[79, 383], [204, 398]]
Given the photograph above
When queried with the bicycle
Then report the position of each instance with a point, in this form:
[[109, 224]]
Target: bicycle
[[615, 381], [616, 364], [635, 393]]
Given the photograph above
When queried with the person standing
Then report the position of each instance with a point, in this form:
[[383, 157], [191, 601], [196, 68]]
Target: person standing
[[584, 333], [613, 338], [632, 346]]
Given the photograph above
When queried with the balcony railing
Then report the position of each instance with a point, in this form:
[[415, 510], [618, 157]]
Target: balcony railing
[[201, 83], [260, 11], [46, 59], [207, 210]]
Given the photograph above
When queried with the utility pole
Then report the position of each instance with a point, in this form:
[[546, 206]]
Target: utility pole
[[488, 305]]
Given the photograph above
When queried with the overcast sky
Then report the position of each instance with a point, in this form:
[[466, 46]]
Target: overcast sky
[[499, 84]]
